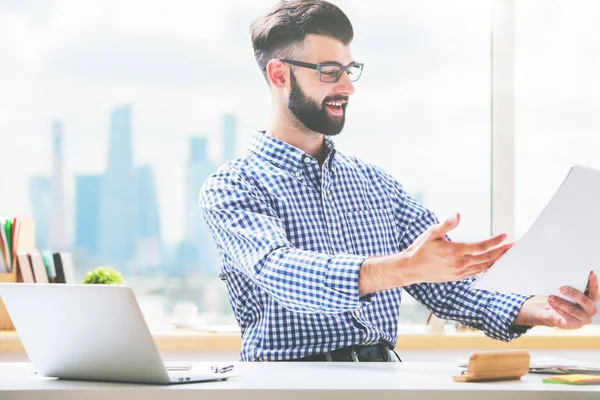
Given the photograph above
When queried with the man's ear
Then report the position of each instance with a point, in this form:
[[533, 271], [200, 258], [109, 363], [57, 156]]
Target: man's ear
[[277, 73]]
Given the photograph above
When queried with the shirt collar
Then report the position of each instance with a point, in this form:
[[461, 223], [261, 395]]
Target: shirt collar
[[284, 155]]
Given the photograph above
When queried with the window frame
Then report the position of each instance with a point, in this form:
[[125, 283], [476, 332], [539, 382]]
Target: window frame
[[503, 119]]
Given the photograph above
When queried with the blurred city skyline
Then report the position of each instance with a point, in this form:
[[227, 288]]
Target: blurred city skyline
[[184, 68], [116, 214], [427, 123]]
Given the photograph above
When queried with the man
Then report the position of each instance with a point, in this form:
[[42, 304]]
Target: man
[[316, 245]]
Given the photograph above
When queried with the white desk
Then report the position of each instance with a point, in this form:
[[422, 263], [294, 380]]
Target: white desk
[[298, 381]]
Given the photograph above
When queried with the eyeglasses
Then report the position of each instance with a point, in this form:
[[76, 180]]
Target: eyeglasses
[[330, 72]]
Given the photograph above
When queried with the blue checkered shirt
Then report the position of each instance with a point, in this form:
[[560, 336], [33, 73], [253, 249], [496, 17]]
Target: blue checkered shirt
[[292, 236]]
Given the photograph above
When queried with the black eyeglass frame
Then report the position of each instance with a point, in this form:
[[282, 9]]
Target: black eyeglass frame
[[319, 68]]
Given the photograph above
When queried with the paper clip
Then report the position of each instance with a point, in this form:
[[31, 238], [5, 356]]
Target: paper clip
[[215, 368]]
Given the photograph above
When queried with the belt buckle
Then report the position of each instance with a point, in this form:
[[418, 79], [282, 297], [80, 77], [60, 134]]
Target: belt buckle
[[354, 355]]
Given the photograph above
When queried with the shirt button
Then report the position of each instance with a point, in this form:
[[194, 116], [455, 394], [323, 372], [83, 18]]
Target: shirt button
[[298, 174], [334, 232], [307, 159]]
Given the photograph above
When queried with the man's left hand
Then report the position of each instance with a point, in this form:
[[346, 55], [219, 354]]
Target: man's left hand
[[556, 312]]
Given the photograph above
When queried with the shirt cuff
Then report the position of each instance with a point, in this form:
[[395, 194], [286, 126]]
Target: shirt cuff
[[499, 315], [341, 283]]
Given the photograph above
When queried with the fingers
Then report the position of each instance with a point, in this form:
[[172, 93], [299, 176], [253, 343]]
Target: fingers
[[479, 247], [581, 313], [560, 321], [587, 305], [474, 265], [490, 255], [475, 269], [441, 230], [573, 314], [593, 293]]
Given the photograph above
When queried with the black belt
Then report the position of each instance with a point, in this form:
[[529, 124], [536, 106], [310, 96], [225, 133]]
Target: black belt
[[378, 352]]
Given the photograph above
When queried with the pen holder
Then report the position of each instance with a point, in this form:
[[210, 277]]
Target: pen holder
[[5, 322], [495, 366]]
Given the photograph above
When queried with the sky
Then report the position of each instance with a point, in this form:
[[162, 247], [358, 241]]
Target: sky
[[422, 104]]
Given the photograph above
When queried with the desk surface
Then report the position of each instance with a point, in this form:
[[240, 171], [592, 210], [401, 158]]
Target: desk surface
[[298, 381]]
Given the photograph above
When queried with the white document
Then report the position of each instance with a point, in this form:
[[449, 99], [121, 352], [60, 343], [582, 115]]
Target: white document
[[560, 248]]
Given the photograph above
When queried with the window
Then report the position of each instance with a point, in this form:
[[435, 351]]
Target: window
[[133, 104], [423, 105], [557, 108]]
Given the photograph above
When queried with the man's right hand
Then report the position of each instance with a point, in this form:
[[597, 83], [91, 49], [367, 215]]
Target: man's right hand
[[431, 258], [434, 258]]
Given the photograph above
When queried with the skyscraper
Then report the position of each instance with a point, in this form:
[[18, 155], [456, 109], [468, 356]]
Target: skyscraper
[[229, 137], [149, 245], [87, 213], [40, 199], [118, 222], [58, 224], [147, 200], [200, 250]]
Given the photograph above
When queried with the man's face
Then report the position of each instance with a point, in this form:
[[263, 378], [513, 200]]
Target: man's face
[[320, 106]]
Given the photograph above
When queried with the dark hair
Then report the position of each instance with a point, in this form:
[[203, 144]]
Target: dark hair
[[278, 33]]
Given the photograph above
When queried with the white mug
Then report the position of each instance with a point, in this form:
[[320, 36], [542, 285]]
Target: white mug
[[186, 313]]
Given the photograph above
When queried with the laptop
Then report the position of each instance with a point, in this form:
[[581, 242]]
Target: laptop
[[90, 332]]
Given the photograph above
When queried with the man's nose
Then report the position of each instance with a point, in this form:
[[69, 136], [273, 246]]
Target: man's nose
[[345, 85]]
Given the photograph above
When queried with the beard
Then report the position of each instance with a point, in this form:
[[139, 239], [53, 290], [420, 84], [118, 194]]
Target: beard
[[313, 115]]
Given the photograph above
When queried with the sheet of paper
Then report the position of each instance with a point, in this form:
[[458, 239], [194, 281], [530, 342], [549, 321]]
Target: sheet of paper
[[560, 248]]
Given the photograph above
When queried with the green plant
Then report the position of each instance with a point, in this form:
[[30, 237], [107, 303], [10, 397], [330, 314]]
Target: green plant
[[103, 275]]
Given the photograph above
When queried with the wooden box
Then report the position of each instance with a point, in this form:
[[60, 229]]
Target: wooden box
[[5, 322], [487, 366]]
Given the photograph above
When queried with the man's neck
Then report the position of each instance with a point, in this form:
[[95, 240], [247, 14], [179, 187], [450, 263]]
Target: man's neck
[[310, 142]]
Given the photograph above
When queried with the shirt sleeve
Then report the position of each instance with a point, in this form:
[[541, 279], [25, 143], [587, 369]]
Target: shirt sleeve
[[491, 312], [249, 231]]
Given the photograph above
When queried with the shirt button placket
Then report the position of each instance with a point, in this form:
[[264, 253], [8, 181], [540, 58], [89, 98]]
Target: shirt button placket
[[329, 210], [334, 231]]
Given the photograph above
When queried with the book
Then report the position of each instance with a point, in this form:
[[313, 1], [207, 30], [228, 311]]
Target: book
[[8, 238], [16, 229], [63, 264], [4, 262], [574, 379], [24, 272], [49, 264], [17, 239], [38, 267]]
